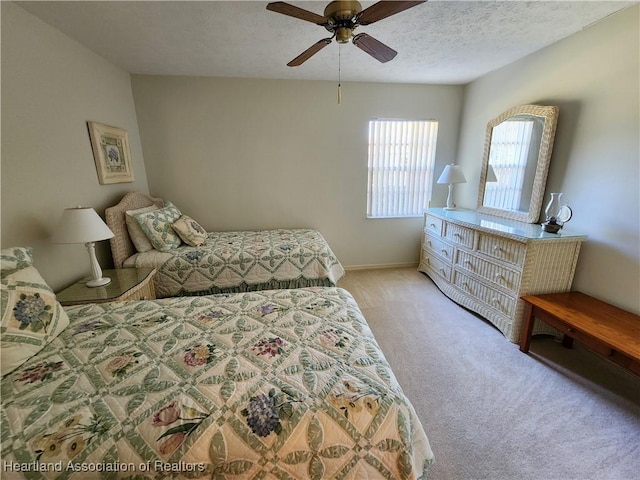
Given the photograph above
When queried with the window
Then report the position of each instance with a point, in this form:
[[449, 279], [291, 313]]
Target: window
[[401, 161]]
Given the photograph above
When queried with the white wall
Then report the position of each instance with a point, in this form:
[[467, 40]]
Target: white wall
[[250, 154], [594, 77], [51, 86]]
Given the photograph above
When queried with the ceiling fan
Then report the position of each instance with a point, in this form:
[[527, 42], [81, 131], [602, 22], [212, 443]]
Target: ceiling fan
[[341, 18]]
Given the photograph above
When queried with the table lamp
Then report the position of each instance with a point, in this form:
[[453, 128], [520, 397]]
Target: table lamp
[[83, 225], [451, 174]]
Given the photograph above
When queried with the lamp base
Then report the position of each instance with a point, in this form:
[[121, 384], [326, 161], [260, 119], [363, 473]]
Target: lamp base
[[98, 282], [551, 226], [450, 205]]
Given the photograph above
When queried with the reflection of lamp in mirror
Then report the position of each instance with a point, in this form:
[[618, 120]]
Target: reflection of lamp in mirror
[[491, 174], [83, 225], [451, 174]]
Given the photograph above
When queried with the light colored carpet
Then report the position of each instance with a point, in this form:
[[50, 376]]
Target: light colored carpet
[[490, 411]]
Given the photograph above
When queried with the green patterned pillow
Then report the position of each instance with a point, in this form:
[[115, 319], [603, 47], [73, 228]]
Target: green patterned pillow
[[157, 227], [31, 315], [137, 236], [190, 231]]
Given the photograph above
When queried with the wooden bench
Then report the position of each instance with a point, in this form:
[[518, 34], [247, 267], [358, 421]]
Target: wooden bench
[[603, 328]]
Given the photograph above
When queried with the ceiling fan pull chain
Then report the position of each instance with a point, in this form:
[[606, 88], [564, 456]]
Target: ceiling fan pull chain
[[339, 90]]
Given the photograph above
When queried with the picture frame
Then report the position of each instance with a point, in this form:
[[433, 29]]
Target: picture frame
[[111, 153]]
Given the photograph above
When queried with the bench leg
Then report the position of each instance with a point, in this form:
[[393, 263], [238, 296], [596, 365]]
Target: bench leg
[[527, 328], [567, 341]]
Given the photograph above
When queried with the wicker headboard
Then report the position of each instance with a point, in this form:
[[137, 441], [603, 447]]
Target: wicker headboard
[[121, 245]]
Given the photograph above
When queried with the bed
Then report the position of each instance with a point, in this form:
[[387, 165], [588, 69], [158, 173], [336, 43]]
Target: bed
[[287, 384], [227, 261]]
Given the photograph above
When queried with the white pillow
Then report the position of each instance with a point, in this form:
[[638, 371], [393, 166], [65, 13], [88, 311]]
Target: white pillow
[[138, 237]]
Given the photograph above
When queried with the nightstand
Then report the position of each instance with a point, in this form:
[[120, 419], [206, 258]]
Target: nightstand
[[126, 284]]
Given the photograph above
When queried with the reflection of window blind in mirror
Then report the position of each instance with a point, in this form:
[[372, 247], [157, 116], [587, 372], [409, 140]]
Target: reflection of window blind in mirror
[[510, 148]]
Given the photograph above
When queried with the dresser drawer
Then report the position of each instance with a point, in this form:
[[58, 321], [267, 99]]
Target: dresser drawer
[[436, 265], [489, 296], [506, 278], [459, 235], [502, 249], [436, 245], [432, 225]]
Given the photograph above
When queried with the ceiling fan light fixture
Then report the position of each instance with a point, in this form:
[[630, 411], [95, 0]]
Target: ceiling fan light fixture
[[343, 34]]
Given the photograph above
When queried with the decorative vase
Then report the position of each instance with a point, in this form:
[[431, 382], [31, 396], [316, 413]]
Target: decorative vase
[[553, 207]]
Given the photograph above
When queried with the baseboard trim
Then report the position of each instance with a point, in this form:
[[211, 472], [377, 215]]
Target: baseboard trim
[[379, 266]]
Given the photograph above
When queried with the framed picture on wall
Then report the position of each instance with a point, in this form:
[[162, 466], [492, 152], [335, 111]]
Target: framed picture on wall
[[111, 153]]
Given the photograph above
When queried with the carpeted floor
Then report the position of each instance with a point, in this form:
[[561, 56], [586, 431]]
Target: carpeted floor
[[490, 411]]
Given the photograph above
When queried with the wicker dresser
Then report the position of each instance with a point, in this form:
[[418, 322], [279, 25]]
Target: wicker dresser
[[487, 263]]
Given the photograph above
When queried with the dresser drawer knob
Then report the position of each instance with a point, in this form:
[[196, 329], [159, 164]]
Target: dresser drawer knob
[[443, 271], [497, 248], [444, 252], [457, 235], [497, 276]]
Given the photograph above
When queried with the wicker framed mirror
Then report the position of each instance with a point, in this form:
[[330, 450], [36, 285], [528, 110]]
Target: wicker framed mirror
[[515, 164]]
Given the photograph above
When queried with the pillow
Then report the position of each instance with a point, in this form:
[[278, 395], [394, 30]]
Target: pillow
[[157, 227], [190, 231], [136, 234], [31, 315]]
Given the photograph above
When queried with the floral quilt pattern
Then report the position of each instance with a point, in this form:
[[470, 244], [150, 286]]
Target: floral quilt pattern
[[280, 384], [243, 261]]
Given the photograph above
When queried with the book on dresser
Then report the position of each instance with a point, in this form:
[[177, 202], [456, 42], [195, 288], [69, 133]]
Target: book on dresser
[[486, 263]]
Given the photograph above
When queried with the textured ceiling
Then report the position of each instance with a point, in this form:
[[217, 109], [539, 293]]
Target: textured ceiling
[[445, 42]]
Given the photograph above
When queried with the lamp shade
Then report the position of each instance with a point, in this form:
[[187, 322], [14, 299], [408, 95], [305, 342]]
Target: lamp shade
[[491, 174], [80, 225], [452, 174]]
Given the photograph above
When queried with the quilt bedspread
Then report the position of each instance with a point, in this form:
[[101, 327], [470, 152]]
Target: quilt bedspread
[[280, 384], [244, 261]]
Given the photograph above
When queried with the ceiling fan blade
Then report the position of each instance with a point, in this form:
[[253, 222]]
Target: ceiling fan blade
[[373, 47], [296, 12], [381, 10], [309, 52]]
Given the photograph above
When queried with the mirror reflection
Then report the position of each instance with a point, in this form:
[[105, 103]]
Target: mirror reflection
[[515, 165], [513, 156]]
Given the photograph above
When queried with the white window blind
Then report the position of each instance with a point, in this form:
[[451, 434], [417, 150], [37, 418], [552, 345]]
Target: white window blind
[[401, 162]]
